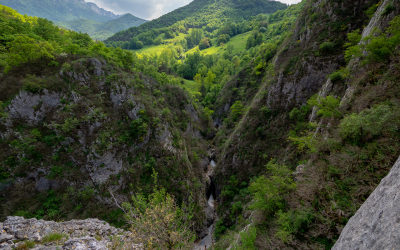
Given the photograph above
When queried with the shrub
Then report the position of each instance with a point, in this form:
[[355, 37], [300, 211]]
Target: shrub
[[327, 47], [33, 84], [248, 238], [388, 9], [328, 106], [158, 222], [293, 222], [339, 75], [268, 192], [371, 122], [237, 110]]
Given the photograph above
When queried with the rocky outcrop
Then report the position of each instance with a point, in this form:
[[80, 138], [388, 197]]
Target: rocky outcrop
[[375, 226], [76, 234]]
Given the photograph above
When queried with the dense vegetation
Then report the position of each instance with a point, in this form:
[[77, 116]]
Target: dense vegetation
[[294, 164], [102, 31], [60, 10], [38, 58], [202, 14]]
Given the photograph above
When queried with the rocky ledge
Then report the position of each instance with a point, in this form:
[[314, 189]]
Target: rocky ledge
[[93, 234]]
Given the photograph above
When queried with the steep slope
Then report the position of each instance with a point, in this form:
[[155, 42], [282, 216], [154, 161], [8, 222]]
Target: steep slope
[[203, 13], [335, 170], [81, 121], [60, 10], [102, 31]]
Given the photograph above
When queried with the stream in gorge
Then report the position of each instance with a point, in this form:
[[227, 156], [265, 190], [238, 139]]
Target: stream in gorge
[[207, 241]]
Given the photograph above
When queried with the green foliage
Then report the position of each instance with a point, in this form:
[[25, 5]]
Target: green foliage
[[248, 239], [293, 222], [269, 190], [158, 222], [327, 47], [379, 48], [138, 129], [339, 75], [327, 107], [52, 237], [102, 30], [56, 10], [3, 114], [300, 115], [378, 120], [33, 84], [220, 228], [237, 110], [211, 15], [371, 10], [208, 113], [388, 9], [28, 50], [69, 124]]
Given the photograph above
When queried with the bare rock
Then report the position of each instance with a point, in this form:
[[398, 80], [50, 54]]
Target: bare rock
[[375, 225]]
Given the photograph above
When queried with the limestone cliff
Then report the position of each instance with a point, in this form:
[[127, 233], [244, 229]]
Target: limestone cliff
[[375, 225]]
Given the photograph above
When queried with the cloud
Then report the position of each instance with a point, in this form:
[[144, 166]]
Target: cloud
[[148, 9]]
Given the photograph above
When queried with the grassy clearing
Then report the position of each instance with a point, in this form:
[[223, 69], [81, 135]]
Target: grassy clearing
[[239, 42], [190, 85], [157, 49]]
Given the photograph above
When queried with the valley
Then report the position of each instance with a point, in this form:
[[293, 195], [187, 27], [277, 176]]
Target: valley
[[224, 124]]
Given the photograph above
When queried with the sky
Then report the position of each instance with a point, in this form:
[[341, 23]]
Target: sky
[[148, 9]]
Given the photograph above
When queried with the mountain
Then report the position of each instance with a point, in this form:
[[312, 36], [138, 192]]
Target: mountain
[[274, 131], [203, 13], [102, 31], [61, 10]]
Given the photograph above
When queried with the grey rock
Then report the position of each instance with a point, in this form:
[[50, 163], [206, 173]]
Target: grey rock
[[5, 237], [82, 234], [375, 225], [83, 244]]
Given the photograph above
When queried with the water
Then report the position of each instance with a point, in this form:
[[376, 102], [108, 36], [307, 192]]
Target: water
[[206, 242]]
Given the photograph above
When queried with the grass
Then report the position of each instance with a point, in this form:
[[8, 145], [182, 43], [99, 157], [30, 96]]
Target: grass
[[157, 49], [239, 43], [190, 85]]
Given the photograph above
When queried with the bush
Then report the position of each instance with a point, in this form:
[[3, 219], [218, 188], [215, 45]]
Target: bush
[[158, 222], [33, 84], [388, 9], [327, 47], [268, 192], [380, 119], [293, 222], [237, 110], [327, 107]]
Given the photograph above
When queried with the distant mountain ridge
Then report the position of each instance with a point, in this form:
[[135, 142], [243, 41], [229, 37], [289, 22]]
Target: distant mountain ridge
[[61, 10], [102, 31]]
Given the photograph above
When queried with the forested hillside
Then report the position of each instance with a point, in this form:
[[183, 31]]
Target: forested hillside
[[102, 31], [287, 116], [207, 14], [80, 121], [60, 10]]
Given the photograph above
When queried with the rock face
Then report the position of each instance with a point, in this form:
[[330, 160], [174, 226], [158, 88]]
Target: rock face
[[375, 226], [75, 234]]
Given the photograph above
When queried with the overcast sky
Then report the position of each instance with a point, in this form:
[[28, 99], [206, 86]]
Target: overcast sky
[[148, 9]]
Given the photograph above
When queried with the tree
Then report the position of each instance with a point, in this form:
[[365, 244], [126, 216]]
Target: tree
[[158, 222], [27, 50], [328, 106], [237, 110], [209, 80], [205, 43]]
